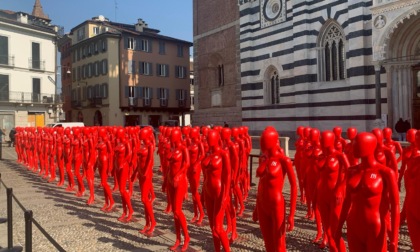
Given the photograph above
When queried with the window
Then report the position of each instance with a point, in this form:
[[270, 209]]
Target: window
[[181, 94], [96, 70], [36, 89], [221, 75], [4, 50], [162, 70], [332, 65], [147, 93], [79, 73], [95, 48], [84, 93], [104, 91], [131, 43], [96, 30], [104, 67], [103, 45], [36, 57], [271, 86], [4, 87], [163, 93], [275, 88], [90, 92], [180, 72], [145, 68], [89, 69], [162, 49], [145, 45], [81, 33], [180, 51], [131, 67], [84, 72], [97, 91]]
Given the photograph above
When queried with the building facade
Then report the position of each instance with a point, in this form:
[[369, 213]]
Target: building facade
[[28, 53], [312, 63], [217, 87], [127, 74]]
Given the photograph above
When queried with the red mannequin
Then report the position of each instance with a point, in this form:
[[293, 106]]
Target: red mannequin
[[89, 146], [270, 206], [244, 177], [68, 157], [122, 156], [216, 186], [348, 149], [166, 149], [233, 150], [105, 150], [394, 146], [408, 154], [133, 133], [332, 165], [371, 190], [312, 152], [144, 172], [179, 161], [52, 154], [298, 161], [46, 152], [340, 142], [59, 154], [186, 135], [413, 198], [383, 154], [196, 152], [238, 185], [113, 139], [77, 160]]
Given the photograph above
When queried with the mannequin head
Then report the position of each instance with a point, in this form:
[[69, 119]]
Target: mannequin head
[[102, 133], [176, 136], [213, 138], [186, 131], [145, 134], [365, 144], [299, 131], [235, 132], [195, 133], [120, 134], [307, 132], [269, 139], [205, 130], [378, 134], [411, 136], [327, 139], [351, 133], [226, 133], [387, 132], [337, 131], [314, 135]]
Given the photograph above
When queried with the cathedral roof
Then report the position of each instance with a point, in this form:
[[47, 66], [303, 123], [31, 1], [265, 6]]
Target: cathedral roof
[[37, 10]]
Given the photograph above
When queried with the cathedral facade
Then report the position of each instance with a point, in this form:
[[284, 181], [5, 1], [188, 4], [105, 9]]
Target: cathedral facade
[[327, 63]]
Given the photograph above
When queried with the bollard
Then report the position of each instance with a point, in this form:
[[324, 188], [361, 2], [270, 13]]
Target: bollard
[[28, 230], [9, 219]]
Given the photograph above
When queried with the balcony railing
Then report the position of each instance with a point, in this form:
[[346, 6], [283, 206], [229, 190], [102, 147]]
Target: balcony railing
[[26, 97], [96, 102], [164, 102], [36, 64], [7, 60], [133, 102], [76, 104], [182, 103]]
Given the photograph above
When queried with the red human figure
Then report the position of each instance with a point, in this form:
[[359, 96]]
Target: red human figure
[[90, 157], [340, 142], [348, 149], [412, 205], [332, 165], [393, 146], [122, 157], [166, 148], [113, 138], [105, 152], [39, 167], [238, 192], [52, 155], [178, 163], [204, 132], [144, 173], [47, 150], [30, 150], [409, 153], [216, 187], [371, 190], [298, 161], [196, 152], [77, 160], [270, 206], [186, 135], [60, 154], [244, 162], [160, 151], [68, 157], [312, 152], [233, 150], [383, 154]]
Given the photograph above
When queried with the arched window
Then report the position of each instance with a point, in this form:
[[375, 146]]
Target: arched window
[[332, 60], [272, 86]]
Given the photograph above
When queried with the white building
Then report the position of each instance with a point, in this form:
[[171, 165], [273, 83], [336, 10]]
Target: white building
[[27, 69]]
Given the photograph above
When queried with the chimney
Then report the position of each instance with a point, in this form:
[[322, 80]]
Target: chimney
[[140, 25], [23, 18]]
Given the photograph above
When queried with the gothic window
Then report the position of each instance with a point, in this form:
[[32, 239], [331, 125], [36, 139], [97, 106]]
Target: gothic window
[[221, 75], [332, 60], [275, 88]]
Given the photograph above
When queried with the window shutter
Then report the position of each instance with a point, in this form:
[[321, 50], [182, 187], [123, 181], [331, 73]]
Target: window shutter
[[125, 42], [104, 45], [158, 93], [104, 90], [141, 67], [177, 92], [126, 91], [150, 45], [150, 68], [167, 70], [89, 92], [133, 66], [167, 93], [140, 92], [157, 69], [150, 93]]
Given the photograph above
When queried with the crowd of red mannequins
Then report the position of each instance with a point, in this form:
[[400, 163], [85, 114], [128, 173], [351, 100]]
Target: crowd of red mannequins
[[355, 181]]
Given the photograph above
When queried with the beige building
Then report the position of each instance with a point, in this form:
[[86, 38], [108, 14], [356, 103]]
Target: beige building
[[125, 74], [27, 69]]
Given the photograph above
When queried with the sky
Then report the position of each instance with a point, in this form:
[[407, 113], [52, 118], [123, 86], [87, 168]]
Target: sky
[[173, 18]]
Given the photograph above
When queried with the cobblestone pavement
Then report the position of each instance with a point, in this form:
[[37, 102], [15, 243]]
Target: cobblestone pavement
[[79, 227]]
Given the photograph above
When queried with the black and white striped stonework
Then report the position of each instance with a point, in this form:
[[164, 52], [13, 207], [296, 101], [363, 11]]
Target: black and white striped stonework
[[294, 51]]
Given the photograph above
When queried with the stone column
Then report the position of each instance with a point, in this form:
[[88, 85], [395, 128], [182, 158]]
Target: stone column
[[378, 90]]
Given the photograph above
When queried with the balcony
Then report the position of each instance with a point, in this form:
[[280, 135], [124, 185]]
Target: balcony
[[182, 103], [6, 60], [36, 64], [96, 102], [27, 97], [133, 102], [76, 104], [147, 102], [164, 102]]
